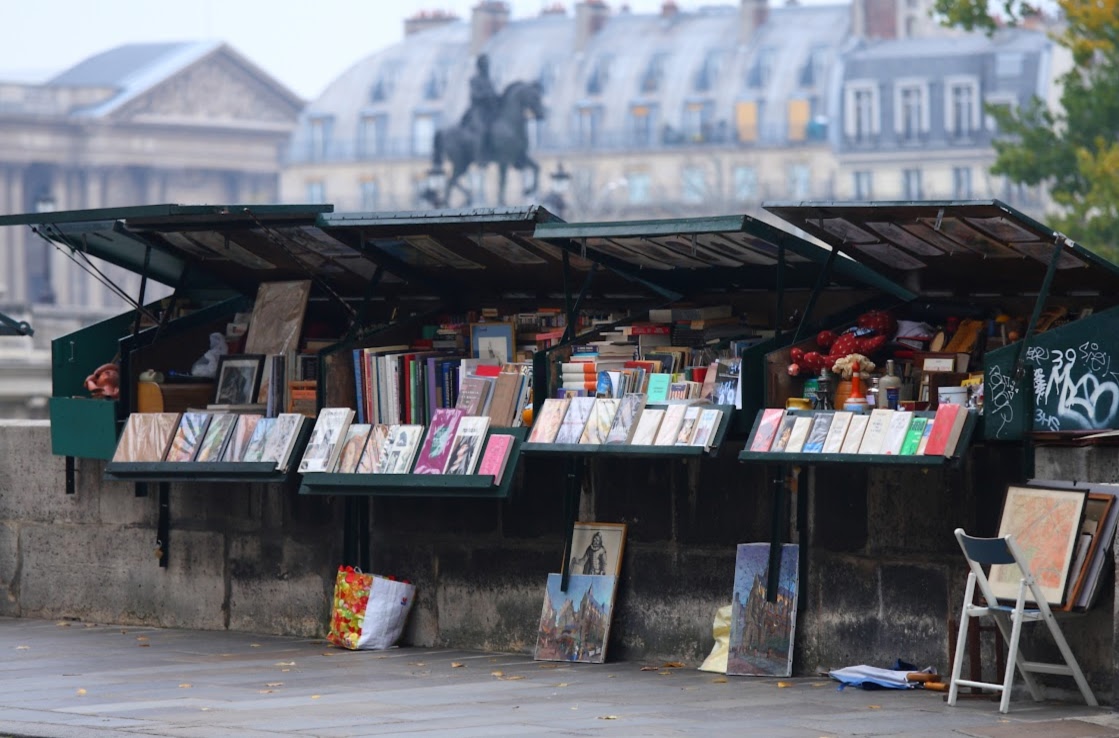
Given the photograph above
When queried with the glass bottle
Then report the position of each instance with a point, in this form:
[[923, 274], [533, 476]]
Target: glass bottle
[[872, 393], [889, 387]]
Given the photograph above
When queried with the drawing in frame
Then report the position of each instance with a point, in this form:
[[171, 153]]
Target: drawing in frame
[[1045, 523], [238, 378], [596, 548], [492, 341]]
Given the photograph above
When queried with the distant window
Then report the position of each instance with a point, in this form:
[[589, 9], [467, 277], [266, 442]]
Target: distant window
[[385, 83], [911, 184], [371, 136], [961, 183], [1007, 101], [1008, 64], [370, 195], [640, 187], [800, 181], [745, 184], [321, 129], [909, 122], [961, 100], [693, 185], [746, 120], [707, 76], [588, 120], [762, 70], [436, 83], [864, 185], [861, 116], [642, 124], [316, 192], [653, 77], [423, 133], [696, 120], [799, 113], [813, 72], [599, 77]]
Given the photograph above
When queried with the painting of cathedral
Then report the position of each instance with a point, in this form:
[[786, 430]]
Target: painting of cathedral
[[575, 625], [761, 632]]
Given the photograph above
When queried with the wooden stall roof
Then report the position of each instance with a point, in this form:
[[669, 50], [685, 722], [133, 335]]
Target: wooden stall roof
[[957, 249]]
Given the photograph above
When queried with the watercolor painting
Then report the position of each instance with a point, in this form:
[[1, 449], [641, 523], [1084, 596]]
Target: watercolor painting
[[575, 625], [761, 632]]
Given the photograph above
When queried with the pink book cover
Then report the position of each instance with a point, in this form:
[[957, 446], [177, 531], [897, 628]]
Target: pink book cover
[[495, 456], [767, 429], [437, 446]]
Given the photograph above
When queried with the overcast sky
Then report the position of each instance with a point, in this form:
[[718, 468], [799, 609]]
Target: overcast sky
[[303, 44]]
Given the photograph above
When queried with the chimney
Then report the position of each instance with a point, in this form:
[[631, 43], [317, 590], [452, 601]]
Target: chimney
[[669, 8], [875, 19], [427, 19], [752, 15], [590, 17], [489, 17]]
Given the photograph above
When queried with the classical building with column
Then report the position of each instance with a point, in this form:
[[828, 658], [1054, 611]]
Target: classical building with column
[[138, 124]]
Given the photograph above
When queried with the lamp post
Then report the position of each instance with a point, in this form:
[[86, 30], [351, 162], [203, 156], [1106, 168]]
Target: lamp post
[[435, 181], [42, 286], [561, 183]]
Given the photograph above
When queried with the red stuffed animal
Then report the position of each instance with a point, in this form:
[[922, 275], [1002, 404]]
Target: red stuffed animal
[[870, 334]]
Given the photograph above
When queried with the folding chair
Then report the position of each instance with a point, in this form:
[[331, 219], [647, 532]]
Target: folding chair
[[982, 552]]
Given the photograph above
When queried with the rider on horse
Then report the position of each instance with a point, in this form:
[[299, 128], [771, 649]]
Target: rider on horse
[[483, 109]]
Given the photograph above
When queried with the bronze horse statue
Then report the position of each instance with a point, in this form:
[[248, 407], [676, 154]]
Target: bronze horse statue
[[505, 144]]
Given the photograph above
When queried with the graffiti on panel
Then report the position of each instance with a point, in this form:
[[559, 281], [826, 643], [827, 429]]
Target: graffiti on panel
[[999, 390], [1074, 388]]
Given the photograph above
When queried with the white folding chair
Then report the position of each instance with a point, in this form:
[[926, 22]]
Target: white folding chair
[[982, 552]]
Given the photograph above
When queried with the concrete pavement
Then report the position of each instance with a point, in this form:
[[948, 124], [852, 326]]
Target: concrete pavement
[[82, 680]]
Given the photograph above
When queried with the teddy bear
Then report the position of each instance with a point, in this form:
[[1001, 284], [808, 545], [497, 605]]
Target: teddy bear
[[870, 333]]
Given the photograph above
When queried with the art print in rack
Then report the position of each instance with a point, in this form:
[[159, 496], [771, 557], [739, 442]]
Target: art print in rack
[[546, 427], [575, 625], [282, 439], [492, 341], [188, 437], [254, 450], [1045, 524], [353, 446], [400, 449], [762, 632], [239, 440], [146, 437], [436, 450], [596, 548], [374, 449], [496, 456], [217, 435], [326, 439]]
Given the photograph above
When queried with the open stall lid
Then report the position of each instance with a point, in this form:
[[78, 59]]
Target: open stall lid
[[733, 252], [964, 249]]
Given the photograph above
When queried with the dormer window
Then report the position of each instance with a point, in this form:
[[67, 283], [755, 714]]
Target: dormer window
[[385, 83], [707, 76], [813, 71], [861, 111], [436, 83], [961, 106], [653, 77], [599, 76], [911, 106], [322, 126], [762, 70]]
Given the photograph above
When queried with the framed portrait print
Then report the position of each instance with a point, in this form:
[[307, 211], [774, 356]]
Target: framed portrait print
[[596, 548], [238, 378], [1045, 523], [492, 341]]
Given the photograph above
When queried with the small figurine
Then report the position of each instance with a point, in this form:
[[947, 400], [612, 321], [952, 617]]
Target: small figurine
[[104, 382]]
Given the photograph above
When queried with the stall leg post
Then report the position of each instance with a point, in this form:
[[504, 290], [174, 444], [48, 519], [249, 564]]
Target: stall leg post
[[570, 513], [163, 527], [780, 499]]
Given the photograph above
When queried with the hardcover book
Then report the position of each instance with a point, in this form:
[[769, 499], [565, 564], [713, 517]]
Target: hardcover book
[[948, 424], [374, 448], [625, 420], [647, 427], [840, 422], [353, 446], [243, 429], [146, 437], [855, 432], [575, 420], [598, 424], [801, 425], [546, 427], [875, 435], [914, 435], [188, 436], [658, 387], [325, 445], [400, 449], [670, 425], [821, 424], [254, 449], [687, 425], [896, 432], [217, 435], [496, 456], [706, 427], [283, 436], [466, 448], [474, 395], [436, 449], [767, 429], [784, 433]]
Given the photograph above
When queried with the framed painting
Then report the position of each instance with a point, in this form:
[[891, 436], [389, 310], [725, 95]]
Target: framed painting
[[575, 625], [762, 632], [492, 341], [238, 378], [596, 548], [1045, 523]]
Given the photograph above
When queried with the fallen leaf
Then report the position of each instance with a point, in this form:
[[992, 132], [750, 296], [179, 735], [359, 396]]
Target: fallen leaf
[[205, 709], [315, 696], [416, 663], [81, 692], [607, 717], [285, 669], [672, 665], [144, 645], [649, 668], [264, 691], [184, 685], [329, 653], [23, 648], [511, 678], [548, 666], [874, 707], [141, 638], [719, 680], [497, 673], [611, 676], [254, 645], [63, 624], [782, 685], [457, 665], [285, 663], [562, 684], [274, 684], [664, 673], [820, 684]]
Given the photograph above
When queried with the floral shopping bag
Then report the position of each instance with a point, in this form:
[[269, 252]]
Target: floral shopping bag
[[368, 611]]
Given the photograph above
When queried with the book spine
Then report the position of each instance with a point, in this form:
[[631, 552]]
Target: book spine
[[431, 387], [359, 382]]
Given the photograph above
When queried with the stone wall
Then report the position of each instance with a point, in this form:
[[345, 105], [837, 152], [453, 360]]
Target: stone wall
[[882, 576]]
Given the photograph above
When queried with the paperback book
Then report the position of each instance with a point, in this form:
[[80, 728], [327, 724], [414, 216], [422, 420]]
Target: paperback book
[[767, 429], [353, 446], [601, 417], [146, 437], [670, 425], [647, 427], [784, 433], [217, 435], [799, 435], [400, 449], [546, 427], [896, 432], [914, 435], [374, 448], [687, 425], [436, 450], [325, 445], [243, 429], [466, 448], [575, 420], [706, 427], [875, 435], [283, 436], [817, 436], [254, 450], [625, 420], [840, 422], [188, 436], [496, 456], [855, 432]]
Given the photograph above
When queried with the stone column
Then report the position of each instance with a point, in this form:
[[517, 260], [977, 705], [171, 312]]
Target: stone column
[[13, 240]]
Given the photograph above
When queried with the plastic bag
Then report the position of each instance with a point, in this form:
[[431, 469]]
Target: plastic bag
[[716, 661], [368, 612]]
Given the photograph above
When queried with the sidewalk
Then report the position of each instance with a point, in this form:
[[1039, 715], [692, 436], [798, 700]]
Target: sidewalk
[[77, 680]]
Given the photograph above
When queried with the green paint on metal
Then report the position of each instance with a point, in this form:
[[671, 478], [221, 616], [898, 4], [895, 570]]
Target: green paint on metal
[[83, 427]]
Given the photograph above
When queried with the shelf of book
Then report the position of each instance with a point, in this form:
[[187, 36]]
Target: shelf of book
[[967, 431], [209, 471], [421, 485], [592, 450]]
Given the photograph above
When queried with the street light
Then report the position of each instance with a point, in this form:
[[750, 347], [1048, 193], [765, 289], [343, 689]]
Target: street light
[[435, 181]]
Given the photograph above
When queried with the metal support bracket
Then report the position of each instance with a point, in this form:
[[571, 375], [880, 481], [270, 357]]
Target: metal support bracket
[[71, 473], [821, 283], [163, 527], [12, 327], [575, 466], [780, 502]]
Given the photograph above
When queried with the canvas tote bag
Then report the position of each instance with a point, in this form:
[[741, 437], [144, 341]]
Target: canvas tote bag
[[368, 611]]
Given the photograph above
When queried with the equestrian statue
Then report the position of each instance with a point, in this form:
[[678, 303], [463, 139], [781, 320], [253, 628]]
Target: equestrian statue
[[493, 130]]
